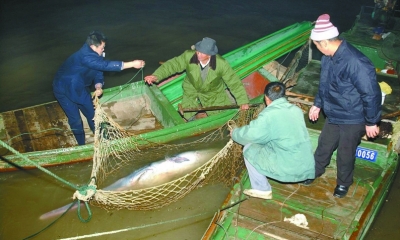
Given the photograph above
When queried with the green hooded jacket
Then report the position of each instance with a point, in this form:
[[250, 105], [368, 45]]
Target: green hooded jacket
[[280, 144], [210, 92]]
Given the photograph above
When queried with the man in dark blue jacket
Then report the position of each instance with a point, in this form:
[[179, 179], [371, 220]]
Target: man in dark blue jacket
[[75, 76], [350, 97]]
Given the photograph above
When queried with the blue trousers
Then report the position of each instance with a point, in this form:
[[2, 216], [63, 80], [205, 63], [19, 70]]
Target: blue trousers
[[257, 180], [71, 108]]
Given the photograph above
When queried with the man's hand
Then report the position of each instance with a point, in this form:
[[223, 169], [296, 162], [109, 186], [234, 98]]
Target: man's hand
[[133, 64], [372, 131], [313, 114], [150, 79], [244, 106], [138, 64], [98, 92]]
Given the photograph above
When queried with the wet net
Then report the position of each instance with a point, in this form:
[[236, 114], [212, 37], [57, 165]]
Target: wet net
[[390, 48], [116, 153]]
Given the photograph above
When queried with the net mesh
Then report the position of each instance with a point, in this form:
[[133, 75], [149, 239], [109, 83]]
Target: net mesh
[[115, 150], [300, 60], [390, 48]]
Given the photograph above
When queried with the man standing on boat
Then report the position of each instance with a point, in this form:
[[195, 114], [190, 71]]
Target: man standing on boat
[[277, 144], [75, 76], [207, 76], [350, 97]]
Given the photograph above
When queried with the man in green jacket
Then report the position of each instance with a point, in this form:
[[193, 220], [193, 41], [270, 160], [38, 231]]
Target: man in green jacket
[[277, 144], [207, 77]]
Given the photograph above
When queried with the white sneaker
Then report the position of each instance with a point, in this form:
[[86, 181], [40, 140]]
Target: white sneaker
[[258, 194]]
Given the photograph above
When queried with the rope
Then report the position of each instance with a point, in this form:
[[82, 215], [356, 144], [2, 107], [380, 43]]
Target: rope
[[133, 228], [125, 85], [28, 133], [34, 163], [82, 191], [48, 226], [85, 194]]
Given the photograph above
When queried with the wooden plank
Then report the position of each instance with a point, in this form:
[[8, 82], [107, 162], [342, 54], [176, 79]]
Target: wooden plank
[[3, 136], [59, 121], [12, 131], [327, 216], [270, 215], [89, 135], [43, 137], [146, 123], [278, 229], [22, 126], [132, 114]]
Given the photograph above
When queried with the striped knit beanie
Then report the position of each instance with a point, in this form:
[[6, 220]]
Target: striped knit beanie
[[324, 29]]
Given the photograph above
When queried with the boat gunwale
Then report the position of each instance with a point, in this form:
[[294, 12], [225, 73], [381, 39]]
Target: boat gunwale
[[202, 125]]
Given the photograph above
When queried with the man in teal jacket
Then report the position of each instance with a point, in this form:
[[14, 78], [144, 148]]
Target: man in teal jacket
[[207, 77], [277, 144]]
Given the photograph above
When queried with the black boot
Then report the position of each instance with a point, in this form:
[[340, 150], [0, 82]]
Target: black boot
[[340, 191]]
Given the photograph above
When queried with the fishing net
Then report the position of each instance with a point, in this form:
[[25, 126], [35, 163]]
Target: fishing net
[[300, 60], [390, 48], [115, 150], [396, 135]]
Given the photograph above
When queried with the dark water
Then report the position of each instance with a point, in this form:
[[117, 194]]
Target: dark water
[[37, 36]]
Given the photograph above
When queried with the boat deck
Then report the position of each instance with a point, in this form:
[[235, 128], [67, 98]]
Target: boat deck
[[328, 217], [133, 114], [45, 127], [37, 128]]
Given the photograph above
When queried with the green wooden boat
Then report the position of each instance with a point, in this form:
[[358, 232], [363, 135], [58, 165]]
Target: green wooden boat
[[327, 217], [41, 133], [378, 38], [311, 212]]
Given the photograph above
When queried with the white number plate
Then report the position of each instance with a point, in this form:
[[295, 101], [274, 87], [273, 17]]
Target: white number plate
[[366, 154]]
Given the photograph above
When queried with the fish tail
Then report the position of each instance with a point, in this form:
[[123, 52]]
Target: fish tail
[[59, 211]]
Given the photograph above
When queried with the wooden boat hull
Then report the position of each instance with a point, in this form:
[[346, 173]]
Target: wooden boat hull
[[328, 217], [32, 139]]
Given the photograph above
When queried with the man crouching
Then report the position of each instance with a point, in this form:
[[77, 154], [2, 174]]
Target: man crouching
[[276, 144]]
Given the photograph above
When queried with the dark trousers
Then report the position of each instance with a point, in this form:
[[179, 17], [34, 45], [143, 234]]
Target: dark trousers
[[345, 138], [71, 109]]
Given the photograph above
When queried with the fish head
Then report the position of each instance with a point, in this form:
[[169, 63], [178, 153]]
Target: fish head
[[187, 156], [198, 155]]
